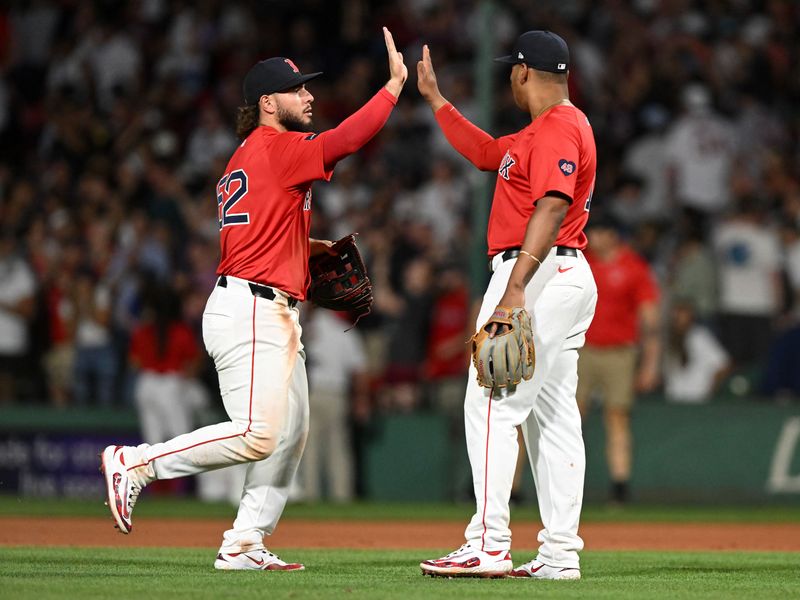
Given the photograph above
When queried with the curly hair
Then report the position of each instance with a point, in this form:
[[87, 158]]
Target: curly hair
[[246, 120]]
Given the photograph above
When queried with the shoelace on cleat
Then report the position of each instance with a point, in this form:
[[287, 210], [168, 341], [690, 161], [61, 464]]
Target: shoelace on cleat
[[457, 552], [133, 496]]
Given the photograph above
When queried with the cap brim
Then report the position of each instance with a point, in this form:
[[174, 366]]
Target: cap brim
[[510, 59], [299, 81]]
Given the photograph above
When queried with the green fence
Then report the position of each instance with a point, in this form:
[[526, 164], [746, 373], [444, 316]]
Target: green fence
[[722, 452], [727, 452]]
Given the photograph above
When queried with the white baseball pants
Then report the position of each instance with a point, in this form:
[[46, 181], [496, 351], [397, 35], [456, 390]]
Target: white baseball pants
[[256, 347], [561, 299]]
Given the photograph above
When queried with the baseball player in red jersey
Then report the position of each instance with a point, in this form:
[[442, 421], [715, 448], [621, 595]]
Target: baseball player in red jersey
[[250, 323], [546, 175]]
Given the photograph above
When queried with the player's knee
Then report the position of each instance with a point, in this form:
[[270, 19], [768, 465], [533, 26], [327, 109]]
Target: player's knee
[[260, 444]]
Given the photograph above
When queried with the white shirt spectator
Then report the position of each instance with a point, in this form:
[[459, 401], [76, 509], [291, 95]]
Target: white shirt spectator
[[115, 61], [334, 354], [646, 158], [345, 192], [441, 201], [749, 259], [89, 333], [18, 284], [700, 148], [693, 382]]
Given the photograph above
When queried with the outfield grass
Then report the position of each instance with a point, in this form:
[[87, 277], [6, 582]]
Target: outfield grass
[[149, 574], [359, 511], [156, 507]]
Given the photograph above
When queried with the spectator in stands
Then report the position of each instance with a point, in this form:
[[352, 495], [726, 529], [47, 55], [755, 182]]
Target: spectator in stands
[[749, 258], [693, 276], [338, 389], [95, 366], [16, 309], [447, 362], [442, 202], [645, 162], [700, 151], [59, 360], [695, 362], [623, 350], [408, 335], [781, 373], [165, 357], [110, 114]]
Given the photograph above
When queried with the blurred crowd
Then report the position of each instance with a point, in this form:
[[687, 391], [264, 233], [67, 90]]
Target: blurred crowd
[[116, 119]]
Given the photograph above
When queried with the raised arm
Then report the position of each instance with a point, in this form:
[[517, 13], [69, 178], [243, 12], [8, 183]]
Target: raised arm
[[474, 144], [361, 126]]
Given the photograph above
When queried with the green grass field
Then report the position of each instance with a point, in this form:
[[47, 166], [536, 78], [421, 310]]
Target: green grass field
[[146, 574], [157, 507]]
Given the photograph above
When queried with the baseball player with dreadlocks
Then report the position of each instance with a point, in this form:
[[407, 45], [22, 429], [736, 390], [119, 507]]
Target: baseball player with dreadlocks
[[250, 323]]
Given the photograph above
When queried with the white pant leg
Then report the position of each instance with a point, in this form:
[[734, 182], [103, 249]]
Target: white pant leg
[[555, 450], [553, 433], [255, 343], [267, 482], [490, 418], [559, 303]]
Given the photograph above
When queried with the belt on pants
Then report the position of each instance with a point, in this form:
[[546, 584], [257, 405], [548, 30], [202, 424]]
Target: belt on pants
[[259, 291], [514, 253]]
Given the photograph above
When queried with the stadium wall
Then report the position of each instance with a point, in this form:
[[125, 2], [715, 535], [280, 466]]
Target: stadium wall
[[718, 453]]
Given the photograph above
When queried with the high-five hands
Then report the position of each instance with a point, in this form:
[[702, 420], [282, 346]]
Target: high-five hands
[[398, 71], [426, 81]]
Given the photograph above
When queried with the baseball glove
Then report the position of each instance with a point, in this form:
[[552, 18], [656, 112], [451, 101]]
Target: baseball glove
[[508, 357], [339, 281]]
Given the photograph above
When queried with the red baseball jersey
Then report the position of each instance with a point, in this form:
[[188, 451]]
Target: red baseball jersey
[[264, 208], [624, 283], [554, 155]]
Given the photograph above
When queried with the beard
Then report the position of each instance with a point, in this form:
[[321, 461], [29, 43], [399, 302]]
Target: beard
[[292, 122]]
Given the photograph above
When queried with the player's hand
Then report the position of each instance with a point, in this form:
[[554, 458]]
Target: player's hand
[[510, 298], [426, 81], [398, 71], [317, 247]]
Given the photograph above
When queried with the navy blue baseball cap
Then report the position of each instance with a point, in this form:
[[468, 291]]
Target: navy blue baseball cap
[[541, 50], [273, 75]]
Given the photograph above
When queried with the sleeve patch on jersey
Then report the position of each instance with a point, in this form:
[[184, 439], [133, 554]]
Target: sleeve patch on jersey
[[311, 137], [567, 167]]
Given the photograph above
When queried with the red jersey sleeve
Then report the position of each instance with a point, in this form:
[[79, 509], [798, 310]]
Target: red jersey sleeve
[[472, 142], [646, 286], [297, 158], [554, 160], [357, 129]]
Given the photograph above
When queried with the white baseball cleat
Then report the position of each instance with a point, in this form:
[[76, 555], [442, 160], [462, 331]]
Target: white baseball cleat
[[257, 560], [121, 491], [539, 570], [469, 562]]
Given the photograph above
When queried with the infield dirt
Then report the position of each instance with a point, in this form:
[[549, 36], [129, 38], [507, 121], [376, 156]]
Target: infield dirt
[[297, 533]]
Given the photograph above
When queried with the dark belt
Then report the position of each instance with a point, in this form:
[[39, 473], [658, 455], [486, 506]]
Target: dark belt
[[259, 291], [514, 253]]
